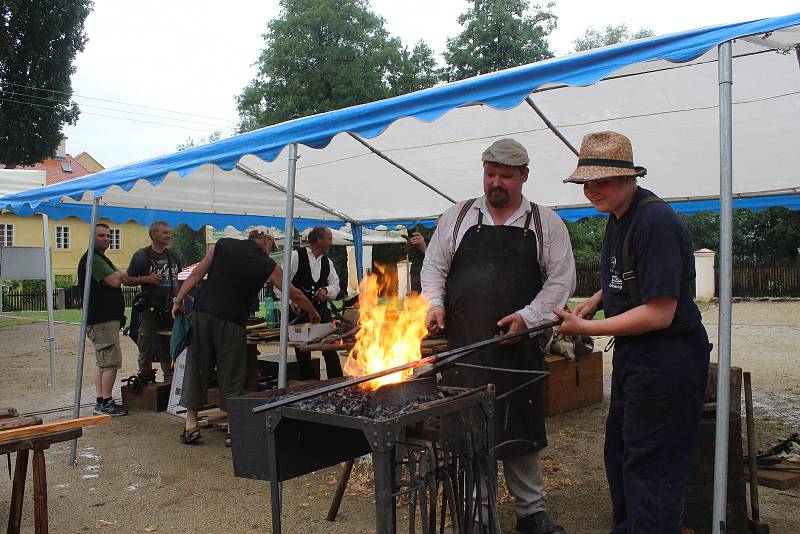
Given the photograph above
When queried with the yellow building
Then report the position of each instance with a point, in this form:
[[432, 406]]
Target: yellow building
[[69, 237]]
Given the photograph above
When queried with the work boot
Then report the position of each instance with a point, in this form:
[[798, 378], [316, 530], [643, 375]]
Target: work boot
[[538, 523]]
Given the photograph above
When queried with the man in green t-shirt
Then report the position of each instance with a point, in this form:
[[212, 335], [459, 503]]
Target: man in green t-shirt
[[106, 315]]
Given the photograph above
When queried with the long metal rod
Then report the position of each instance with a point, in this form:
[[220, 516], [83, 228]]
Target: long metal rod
[[393, 162], [299, 196], [752, 452], [87, 284], [288, 231], [440, 360], [48, 287], [553, 127], [725, 287]]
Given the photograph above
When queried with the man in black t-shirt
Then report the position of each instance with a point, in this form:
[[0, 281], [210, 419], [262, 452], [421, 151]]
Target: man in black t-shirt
[[156, 269], [661, 348], [237, 270]]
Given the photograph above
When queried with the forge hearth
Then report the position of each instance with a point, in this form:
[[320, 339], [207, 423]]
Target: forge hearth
[[444, 436]]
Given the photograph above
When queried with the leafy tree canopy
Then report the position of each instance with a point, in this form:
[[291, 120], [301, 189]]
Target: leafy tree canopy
[[595, 38], [499, 34], [323, 55], [38, 43]]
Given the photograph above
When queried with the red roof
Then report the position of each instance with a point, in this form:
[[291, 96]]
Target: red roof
[[55, 170]]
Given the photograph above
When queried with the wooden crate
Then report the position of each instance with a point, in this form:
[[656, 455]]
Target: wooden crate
[[572, 385], [151, 398]]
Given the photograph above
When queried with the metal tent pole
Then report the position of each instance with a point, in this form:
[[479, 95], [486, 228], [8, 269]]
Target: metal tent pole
[[288, 231], [725, 287], [87, 283], [393, 162], [553, 127], [358, 246], [48, 285]]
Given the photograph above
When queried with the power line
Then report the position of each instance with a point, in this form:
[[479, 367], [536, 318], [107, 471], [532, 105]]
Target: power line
[[32, 104], [14, 93], [114, 101]]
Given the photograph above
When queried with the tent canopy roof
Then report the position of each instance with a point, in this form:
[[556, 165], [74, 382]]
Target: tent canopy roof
[[661, 92]]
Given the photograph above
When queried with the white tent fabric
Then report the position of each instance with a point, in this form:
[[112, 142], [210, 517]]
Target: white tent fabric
[[668, 109], [16, 180]]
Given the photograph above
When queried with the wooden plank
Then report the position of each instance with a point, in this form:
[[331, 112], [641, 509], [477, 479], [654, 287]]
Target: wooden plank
[[44, 441], [6, 413], [68, 424], [773, 478], [40, 492], [18, 492], [19, 422]]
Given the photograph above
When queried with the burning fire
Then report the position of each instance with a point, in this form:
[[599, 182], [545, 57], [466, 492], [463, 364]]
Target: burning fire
[[387, 337]]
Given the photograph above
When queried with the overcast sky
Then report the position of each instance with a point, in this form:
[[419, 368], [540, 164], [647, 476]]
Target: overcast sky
[[155, 72]]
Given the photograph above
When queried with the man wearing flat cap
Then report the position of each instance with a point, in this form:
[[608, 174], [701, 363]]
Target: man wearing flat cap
[[500, 263], [661, 349], [237, 270]]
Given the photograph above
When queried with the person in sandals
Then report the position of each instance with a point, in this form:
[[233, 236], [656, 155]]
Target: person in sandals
[[237, 270]]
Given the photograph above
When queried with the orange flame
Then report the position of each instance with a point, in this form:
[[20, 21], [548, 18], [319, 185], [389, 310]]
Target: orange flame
[[387, 336]]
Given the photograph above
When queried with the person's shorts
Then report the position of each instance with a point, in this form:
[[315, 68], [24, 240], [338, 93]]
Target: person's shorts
[[105, 339]]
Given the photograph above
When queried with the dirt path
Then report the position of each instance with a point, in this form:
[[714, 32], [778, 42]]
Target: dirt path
[[134, 476]]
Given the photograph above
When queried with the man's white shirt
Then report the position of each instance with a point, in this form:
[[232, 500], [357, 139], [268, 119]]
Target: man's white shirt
[[556, 264], [316, 268]]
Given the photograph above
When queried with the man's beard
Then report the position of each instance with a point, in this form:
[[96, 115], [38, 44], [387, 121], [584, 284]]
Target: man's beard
[[497, 197]]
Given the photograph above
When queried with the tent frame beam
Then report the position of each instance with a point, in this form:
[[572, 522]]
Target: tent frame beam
[[286, 266], [263, 179], [550, 125], [393, 162], [87, 284], [725, 287]]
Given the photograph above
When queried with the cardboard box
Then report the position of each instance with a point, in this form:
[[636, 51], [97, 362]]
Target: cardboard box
[[572, 385], [305, 332]]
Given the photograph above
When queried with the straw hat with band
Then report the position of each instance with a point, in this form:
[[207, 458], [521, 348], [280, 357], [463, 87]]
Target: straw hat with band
[[605, 155]]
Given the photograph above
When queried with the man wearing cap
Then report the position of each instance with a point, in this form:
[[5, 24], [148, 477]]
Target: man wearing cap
[[237, 270], [502, 263], [661, 349]]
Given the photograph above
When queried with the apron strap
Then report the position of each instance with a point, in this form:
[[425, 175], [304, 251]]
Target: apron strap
[[463, 213], [628, 267]]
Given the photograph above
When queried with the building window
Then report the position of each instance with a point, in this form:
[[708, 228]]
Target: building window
[[62, 237], [116, 239], [6, 235]]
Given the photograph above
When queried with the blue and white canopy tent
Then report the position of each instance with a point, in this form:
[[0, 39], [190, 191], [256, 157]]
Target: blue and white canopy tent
[[722, 101]]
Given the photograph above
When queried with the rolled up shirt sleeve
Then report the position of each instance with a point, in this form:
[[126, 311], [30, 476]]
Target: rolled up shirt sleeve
[[559, 269], [437, 261], [333, 283]]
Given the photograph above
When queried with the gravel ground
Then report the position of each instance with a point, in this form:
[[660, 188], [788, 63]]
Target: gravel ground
[[134, 476]]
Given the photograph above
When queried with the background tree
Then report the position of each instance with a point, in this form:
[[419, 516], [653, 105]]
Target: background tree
[[498, 34], [188, 244], [586, 236], [595, 38], [38, 43], [191, 143], [323, 55]]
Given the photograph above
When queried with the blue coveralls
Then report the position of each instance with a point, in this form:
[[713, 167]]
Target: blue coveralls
[[659, 378]]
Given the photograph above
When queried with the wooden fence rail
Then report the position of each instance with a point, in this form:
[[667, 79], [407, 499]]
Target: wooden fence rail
[[36, 301]]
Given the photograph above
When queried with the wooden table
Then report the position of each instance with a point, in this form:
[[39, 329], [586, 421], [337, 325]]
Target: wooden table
[[22, 446]]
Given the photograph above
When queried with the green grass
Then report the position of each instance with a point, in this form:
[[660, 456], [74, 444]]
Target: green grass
[[599, 315], [67, 316]]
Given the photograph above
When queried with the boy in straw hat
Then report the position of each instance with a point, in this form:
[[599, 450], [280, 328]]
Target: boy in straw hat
[[661, 349]]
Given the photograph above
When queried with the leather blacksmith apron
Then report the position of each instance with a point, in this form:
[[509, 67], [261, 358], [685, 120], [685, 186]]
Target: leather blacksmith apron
[[495, 272]]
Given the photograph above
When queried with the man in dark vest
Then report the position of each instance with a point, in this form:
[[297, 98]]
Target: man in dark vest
[[502, 263], [155, 268], [106, 315], [237, 270], [661, 348], [313, 273]]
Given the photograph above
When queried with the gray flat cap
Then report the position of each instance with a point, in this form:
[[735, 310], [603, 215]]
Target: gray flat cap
[[507, 152]]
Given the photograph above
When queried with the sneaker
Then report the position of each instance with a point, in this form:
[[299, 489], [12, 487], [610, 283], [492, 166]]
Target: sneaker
[[113, 409], [538, 523], [98, 408]]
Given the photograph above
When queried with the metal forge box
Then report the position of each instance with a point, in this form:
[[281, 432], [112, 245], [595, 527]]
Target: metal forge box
[[456, 457]]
